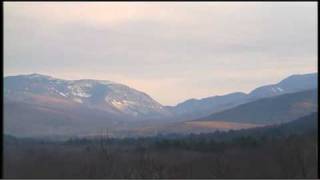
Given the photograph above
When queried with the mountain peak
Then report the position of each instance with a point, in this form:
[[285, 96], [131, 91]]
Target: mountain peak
[[295, 77], [36, 75], [291, 84], [101, 94]]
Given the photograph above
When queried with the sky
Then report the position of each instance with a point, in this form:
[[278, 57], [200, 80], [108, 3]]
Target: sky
[[172, 51]]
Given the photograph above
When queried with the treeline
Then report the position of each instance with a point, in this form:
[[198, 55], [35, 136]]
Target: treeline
[[283, 151]]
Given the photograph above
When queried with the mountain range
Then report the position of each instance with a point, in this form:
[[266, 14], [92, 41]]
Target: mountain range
[[37, 105], [195, 108], [276, 109]]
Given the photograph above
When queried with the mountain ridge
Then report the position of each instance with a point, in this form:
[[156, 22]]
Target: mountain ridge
[[280, 108], [205, 106], [93, 93], [86, 105]]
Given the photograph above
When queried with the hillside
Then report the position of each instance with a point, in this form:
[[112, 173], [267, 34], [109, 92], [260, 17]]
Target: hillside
[[278, 109]]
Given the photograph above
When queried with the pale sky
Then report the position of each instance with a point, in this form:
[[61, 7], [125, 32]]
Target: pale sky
[[173, 51]]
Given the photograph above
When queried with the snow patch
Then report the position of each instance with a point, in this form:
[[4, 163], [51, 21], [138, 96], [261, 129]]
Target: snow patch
[[78, 100], [105, 82], [280, 89], [118, 104], [276, 89], [62, 94], [78, 91]]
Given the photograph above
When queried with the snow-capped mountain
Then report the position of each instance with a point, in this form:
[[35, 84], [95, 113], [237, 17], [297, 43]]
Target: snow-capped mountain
[[100, 94], [118, 98], [37, 105]]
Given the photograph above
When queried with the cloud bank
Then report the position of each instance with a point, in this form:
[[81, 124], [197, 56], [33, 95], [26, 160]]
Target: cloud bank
[[172, 51]]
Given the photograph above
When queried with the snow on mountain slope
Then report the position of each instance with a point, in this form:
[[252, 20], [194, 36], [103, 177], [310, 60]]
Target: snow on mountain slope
[[290, 84], [91, 93], [118, 98], [196, 108]]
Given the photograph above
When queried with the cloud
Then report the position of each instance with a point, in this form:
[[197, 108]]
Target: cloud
[[172, 51]]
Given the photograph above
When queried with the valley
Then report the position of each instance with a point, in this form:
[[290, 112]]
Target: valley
[[41, 106]]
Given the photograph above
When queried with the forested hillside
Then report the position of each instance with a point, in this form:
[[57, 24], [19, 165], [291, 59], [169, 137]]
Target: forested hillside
[[287, 151]]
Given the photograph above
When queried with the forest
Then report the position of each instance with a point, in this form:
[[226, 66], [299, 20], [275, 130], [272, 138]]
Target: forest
[[278, 151]]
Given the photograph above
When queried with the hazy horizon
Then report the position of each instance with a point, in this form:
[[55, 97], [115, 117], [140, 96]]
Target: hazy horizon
[[195, 49], [156, 97]]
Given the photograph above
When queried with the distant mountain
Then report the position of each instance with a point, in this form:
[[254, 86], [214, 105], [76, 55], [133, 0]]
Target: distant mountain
[[39, 105], [271, 110], [291, 84], [306, 123], [95, 94], [196, 108]]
